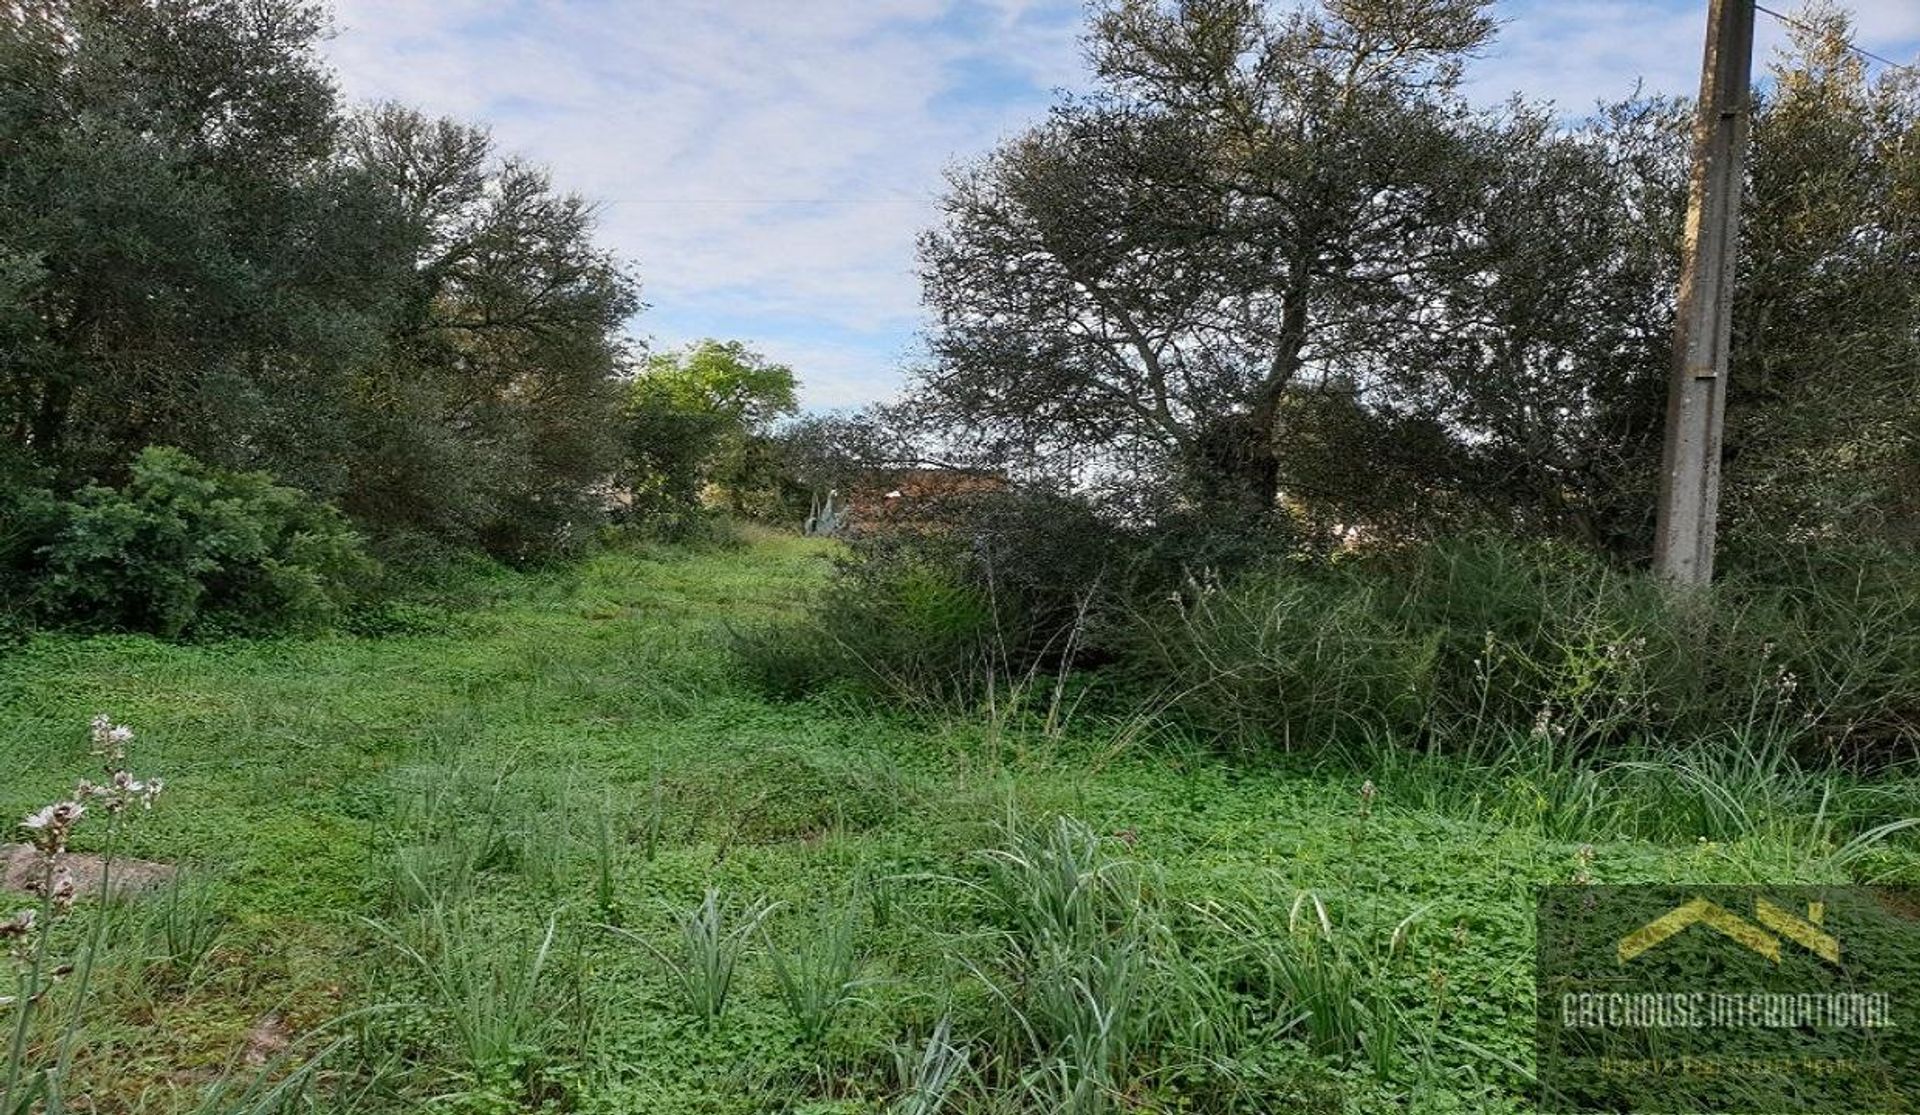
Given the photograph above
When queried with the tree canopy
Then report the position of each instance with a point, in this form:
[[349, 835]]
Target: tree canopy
[[200, 247], [701, 417], [1275, 264]]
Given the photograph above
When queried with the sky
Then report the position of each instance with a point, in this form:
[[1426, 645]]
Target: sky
[[766, 165]]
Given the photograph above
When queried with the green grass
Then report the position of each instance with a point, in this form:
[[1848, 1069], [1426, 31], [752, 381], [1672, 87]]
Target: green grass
[[431, 850]]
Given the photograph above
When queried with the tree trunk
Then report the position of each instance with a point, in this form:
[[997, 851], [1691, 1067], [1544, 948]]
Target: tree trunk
[[1233, 470]]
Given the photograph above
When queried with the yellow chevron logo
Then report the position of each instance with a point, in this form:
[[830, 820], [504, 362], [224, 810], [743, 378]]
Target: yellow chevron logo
[[1805, 932]]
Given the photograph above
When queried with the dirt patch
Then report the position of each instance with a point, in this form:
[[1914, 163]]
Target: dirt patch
[[20, 870], [267, 1039]]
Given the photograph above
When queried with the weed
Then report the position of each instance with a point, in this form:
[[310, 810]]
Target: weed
[[821, 975], [709, 949], [489, 988], [1336, 985], [1093, 980], [655, 818], [29, 933], [605, 864], [926, 1074]]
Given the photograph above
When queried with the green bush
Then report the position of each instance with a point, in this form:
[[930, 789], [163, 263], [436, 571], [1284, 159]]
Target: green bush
[[693, 527], [978, 589], [1473, 643], [1476, 642], [786, 660], [901, 623], [186, 548]]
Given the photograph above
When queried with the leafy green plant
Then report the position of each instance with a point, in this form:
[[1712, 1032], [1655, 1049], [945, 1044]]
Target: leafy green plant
[[179, 930], [1337, 986], [1083, 1017], [451, 824], [819, 977], [1477, 644], [926, 1074], [1058, 887], [1093, 987], [489, 987], [709, 948], [606, 862], [653, 823], [186, 547]]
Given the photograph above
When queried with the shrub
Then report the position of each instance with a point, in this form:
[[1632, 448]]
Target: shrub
[[981, 589], [902, 622], [789, 659], [693, 527], [1475, 642], [531, 528], [1283, 658], [188, 548]]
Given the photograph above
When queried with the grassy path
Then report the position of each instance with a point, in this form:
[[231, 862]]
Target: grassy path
[[573, 752]]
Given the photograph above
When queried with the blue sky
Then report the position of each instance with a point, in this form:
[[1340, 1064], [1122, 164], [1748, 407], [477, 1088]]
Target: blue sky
[[767, 164]]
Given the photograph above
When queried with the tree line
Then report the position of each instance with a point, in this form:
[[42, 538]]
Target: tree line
[[202, 248], [1277, 267], [1274, 275]]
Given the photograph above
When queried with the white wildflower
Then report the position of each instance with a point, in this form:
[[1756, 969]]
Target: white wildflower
[[48, 827], [110, 740]]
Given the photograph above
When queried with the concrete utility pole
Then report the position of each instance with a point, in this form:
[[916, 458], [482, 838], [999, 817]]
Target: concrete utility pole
[[1697, 399]]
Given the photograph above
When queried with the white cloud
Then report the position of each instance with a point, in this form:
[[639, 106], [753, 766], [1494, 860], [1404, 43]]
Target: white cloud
[[684, 116], [701, 123], [1576, 54]]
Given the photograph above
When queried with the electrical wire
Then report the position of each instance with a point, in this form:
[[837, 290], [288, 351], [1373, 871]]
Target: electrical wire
[[1860, 50]]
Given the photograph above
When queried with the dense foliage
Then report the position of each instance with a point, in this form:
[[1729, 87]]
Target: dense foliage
[[1478, 643], [1276, 262], [200, 247], [185, 548], [1332, 401], [698, 426]]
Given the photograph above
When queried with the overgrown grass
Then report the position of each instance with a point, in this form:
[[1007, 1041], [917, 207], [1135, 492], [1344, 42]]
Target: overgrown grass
[[1478, 644], [1063, 905]]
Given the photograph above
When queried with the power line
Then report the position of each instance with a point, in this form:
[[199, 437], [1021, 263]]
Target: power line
[[1860, 50]]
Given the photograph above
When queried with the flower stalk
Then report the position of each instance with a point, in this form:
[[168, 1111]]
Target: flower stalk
[[28, 934]]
